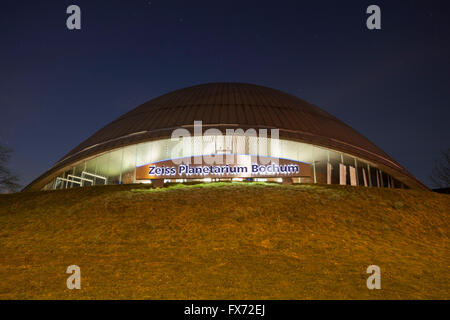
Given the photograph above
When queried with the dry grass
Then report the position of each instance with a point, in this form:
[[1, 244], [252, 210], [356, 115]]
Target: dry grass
[[225, 241]]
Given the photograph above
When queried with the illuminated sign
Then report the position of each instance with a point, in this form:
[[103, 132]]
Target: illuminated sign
[[242, 167], [188, 170]]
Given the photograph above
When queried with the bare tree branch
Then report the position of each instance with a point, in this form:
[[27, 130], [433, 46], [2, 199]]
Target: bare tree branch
[[441, 172], [8, 181]]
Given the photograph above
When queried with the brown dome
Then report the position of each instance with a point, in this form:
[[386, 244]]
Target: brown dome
[[231, 105]]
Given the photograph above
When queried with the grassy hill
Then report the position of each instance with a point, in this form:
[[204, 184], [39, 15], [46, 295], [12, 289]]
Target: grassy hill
[[225, 241]]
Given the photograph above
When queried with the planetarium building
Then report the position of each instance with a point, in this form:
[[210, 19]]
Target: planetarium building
[[226, 131]]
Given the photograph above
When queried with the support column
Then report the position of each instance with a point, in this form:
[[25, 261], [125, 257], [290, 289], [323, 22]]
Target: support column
[[135, 163], [329, 169], [352, 172], [369, 176], [121, 167], [342, 174], [314, 166], [364, 177]]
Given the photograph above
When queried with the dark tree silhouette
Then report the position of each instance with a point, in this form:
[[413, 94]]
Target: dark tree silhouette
[[8, 181], [441, 172]]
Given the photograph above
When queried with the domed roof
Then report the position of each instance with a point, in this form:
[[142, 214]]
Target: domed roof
[[231, 105]]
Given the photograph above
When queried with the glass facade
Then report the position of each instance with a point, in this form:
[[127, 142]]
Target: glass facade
[[119, 166]]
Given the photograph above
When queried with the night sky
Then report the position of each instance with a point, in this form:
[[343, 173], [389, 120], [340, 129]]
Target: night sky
[[57, 86]]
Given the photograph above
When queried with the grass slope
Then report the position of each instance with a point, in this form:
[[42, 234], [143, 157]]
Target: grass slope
[[225, 241]]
